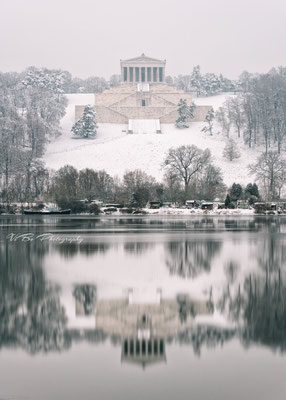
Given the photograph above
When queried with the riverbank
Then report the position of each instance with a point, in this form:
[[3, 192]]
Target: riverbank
[[197, 211], [166, 211]]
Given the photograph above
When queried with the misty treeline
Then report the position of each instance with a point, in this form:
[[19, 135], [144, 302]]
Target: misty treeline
[[63, 82], [188, 172], [203, 84], [60, 80], [31, 107], [258, 113]]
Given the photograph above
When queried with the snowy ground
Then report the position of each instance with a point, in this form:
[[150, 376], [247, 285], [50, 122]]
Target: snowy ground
[[165, 211], [116, 151], [198, 211]]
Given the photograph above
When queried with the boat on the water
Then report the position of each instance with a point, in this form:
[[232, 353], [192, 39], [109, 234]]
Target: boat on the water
[[47, 211]]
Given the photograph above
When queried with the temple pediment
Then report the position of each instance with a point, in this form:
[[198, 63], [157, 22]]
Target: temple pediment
[[143, 60], [142, 69]]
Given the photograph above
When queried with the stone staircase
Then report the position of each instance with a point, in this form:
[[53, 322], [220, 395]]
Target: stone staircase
[[144, 126]]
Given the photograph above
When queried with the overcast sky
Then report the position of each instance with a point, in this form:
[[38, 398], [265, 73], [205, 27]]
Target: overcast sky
[[88, 37]]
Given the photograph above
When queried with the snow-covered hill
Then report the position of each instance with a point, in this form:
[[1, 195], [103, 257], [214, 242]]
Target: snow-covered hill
[[117, 151]]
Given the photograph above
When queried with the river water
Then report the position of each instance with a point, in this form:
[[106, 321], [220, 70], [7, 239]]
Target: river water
[[142, 308]]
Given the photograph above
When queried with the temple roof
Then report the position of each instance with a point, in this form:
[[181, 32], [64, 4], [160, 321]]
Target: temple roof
[[144, 361], [144, 60]]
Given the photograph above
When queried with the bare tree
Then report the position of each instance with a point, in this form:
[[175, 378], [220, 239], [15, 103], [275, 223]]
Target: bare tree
[[173, 186], [210, 183], [209, 122], [236, 114], [224, 118], [186, 161], [270, 171]]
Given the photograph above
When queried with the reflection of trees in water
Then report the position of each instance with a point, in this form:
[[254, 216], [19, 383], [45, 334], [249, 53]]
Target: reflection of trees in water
[[271, 253], [138, 248], [91, 336], [78, 222], [29, 252], [70, 250], [265, 311], [189, 258], [31, 315], [231, 269], [270, 224], [204, 335], [85, 295], [261, 308], [67, 250]]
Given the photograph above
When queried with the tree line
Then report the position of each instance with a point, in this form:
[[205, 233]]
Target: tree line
[[189, 172], [201, 84], [30, 114], [258, 113], [32, 104]]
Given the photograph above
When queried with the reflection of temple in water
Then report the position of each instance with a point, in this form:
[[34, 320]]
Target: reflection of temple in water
[[144, 326], [142, 351]]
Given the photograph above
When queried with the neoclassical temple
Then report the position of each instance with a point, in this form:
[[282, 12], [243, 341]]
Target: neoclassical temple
[[142, 99], [142, 69], [142, 327]]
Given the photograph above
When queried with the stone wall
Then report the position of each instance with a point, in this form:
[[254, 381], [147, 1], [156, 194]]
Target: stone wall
[[199, 115], [120, 115], [117, 105], [107, 115], [144, 112]]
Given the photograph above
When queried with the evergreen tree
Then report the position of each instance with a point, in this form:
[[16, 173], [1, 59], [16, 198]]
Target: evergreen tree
[[231, 150], [210, 84], [185, 113], [235, 192], [255, 191], [196, 79], [251, 190], [227, 201], [53, 80], [86, 126]]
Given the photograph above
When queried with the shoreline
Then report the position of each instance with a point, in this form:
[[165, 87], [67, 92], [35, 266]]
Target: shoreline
[[159, 213]]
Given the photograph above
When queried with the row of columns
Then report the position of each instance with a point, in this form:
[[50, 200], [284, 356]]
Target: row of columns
[[143, 347], [141, 74]]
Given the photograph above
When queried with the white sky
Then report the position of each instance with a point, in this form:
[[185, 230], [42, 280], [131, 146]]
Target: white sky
[[88, 37]]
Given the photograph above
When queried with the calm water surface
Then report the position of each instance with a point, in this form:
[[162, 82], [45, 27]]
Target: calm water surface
[[142, 308]]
